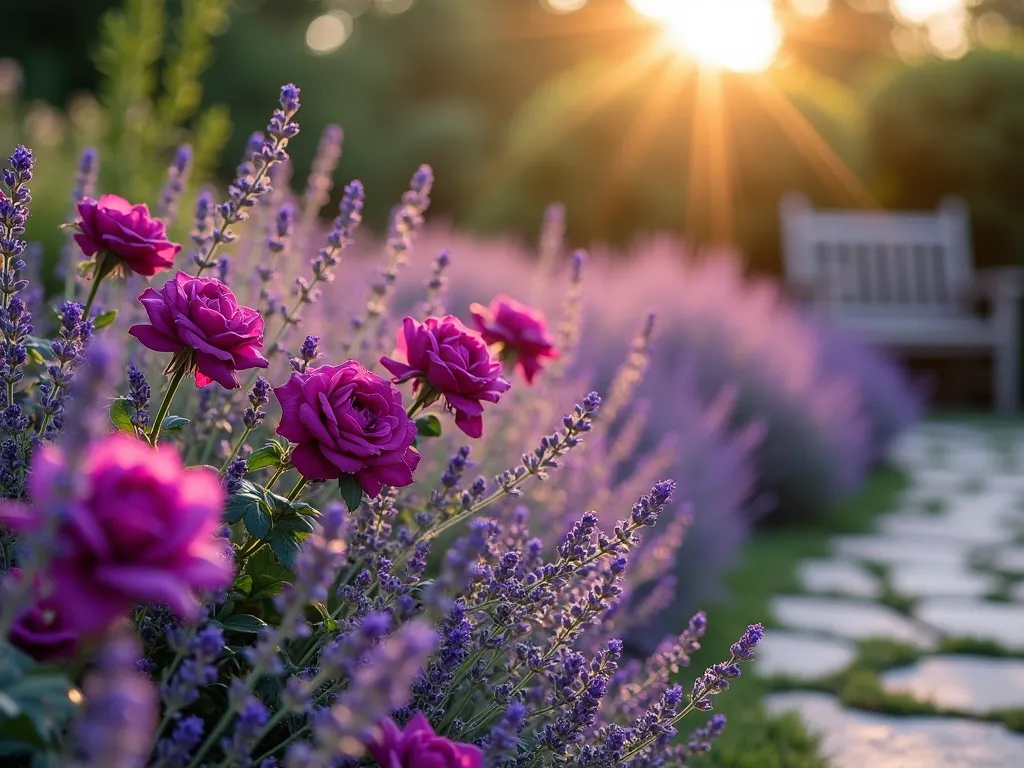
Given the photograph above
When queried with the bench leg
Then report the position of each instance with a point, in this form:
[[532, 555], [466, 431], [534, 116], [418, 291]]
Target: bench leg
[[1006, 315]]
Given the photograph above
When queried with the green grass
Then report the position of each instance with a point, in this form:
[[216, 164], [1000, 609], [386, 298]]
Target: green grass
[[767, 567]]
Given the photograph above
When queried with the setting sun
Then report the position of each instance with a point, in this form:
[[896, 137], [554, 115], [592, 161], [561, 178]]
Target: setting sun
[[738, 35]]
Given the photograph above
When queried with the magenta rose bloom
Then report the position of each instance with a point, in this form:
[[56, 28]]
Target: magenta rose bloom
[[202, 314], [454, 361], [346, 420], [521, 330], [41, 631], [417, 746], [127, 231], [142, 531]]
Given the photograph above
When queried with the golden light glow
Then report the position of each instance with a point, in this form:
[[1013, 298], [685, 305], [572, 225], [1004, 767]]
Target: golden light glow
[[920, 11], [738, 35], [563, 6]]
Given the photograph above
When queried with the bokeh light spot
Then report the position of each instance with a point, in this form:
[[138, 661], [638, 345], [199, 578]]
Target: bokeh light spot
[[920, 11], [563, 6], [327, 33], [393, 7], [812, 9]]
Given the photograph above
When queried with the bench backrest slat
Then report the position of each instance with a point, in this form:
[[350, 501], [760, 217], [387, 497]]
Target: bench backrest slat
[[875, 263]]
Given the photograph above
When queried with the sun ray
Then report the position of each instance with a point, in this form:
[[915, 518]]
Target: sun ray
[[644, 128], [709, 186], [585, 104], [807, 139]]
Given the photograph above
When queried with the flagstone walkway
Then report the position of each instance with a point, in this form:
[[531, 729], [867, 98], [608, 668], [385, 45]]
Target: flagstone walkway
[[941, 579]]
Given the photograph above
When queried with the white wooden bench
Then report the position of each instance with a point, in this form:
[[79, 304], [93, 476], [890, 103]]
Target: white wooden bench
[[906, 280]]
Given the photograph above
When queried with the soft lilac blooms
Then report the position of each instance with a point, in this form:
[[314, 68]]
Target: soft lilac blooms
[[142, 531], [452, 361], [346, 420], [127, 232], [120, 710], [202, 315], [417, 746], [521, 331]]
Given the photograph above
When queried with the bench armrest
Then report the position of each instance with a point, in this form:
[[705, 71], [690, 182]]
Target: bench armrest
[[999, 284]]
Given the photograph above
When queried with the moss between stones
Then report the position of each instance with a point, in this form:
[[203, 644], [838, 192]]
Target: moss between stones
[[976, 646], [860, 685]]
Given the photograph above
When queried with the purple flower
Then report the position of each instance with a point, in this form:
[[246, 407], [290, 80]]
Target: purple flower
[[41, 631], [521, 330], [417, 746], [347, 420], [203, 315], [142, 530], [128, 232], [453, 361]]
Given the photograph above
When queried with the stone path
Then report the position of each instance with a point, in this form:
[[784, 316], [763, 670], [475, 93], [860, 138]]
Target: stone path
[[942, 577]]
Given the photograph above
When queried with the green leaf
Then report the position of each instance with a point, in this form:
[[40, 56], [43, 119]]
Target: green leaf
[[268, 575], [102, 321], [351, 492], [267, 456], [174, 424], [257, 520], [239, 503], [428, 426], [243, 585], [43, 709], [121, 415], [39, 349], [296, 524], [285, 507], [244, 622], [285, 545]]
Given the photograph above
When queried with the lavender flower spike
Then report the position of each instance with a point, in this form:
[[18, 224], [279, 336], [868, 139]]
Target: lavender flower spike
[[177, 176], [378, 688], [116, 729]]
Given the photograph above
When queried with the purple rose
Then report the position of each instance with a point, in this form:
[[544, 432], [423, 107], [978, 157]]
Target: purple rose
[[41, 631], [143, 530], [127, 231], [417, 746], [454, 361], [522, 332], [202, 314], [348, 421]]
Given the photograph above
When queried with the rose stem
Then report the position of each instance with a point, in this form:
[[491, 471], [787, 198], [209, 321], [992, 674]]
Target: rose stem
[[96, 280], [165, 406], [293, 494]]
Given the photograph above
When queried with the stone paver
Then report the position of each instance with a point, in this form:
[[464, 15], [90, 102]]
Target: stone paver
[[1002, 623], [1010, 559], [853, 739], [841, 577], [974, 684], [913, 580], [902, 549], [962, 516], [852, 619], [798, 656]]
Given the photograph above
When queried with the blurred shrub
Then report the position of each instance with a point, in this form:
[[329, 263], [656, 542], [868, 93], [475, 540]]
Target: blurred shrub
[[890, 401], [829, 404], [956, 127], [149, 103]]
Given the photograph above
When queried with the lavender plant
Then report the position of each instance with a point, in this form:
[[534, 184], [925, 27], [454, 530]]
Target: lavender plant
[[188, 588]]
